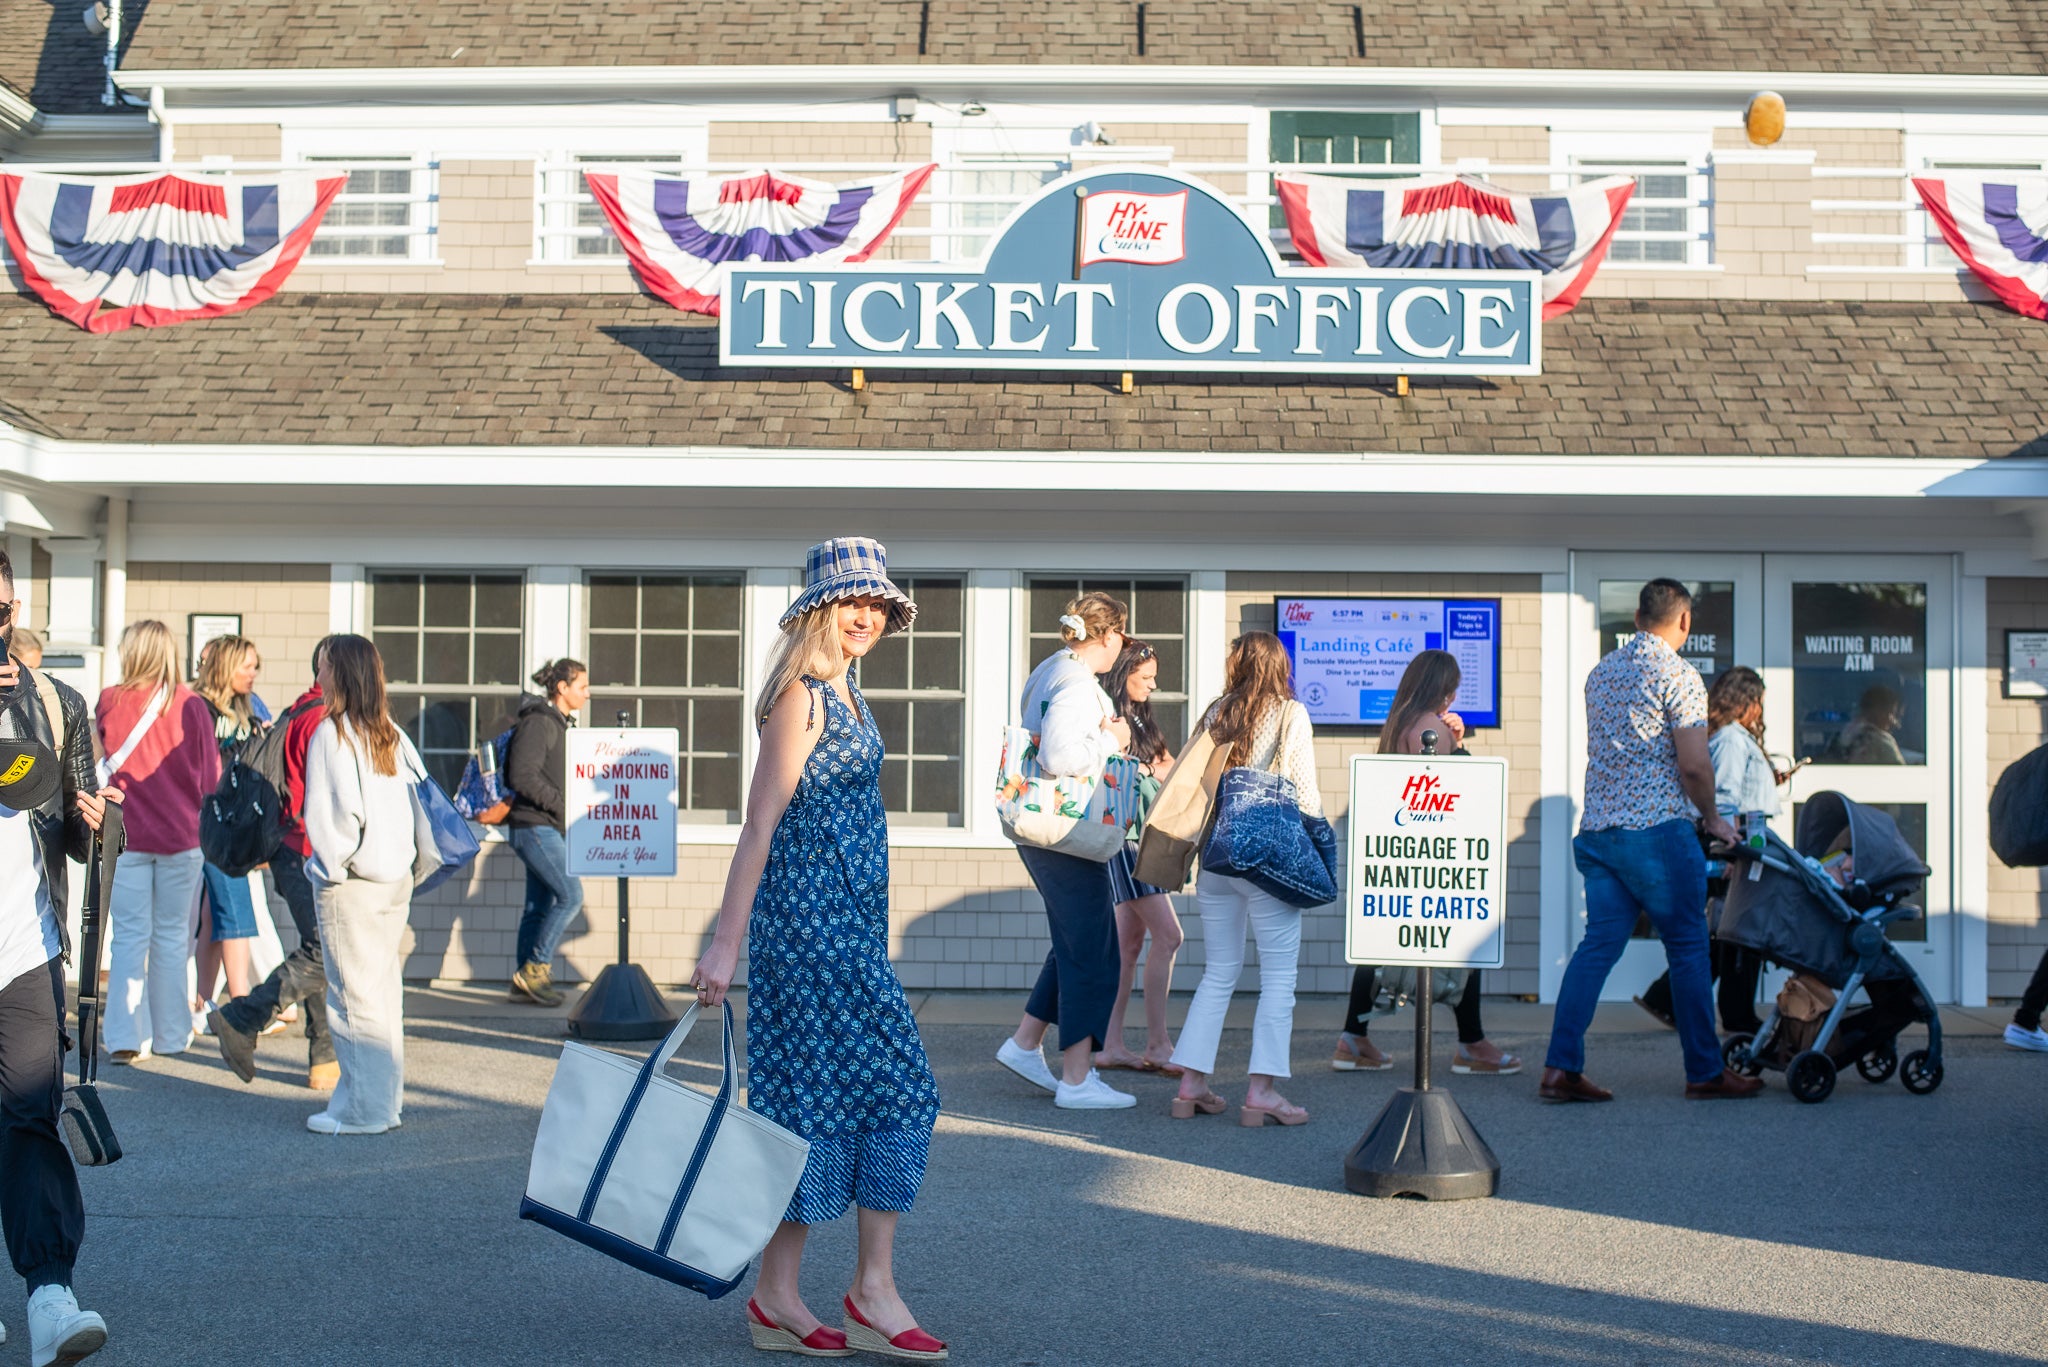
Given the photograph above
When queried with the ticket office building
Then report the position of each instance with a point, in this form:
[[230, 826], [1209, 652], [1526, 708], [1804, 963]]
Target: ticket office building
[[649, 514]]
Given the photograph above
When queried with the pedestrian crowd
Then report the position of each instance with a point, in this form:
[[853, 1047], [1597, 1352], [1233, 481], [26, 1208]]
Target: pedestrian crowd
[[833, 1051]]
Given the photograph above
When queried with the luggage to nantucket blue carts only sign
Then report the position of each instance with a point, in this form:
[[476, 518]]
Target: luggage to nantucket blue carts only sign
[[1131, 269]]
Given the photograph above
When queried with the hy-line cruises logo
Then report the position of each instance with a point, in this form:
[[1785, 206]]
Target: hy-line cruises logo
[[1128, 225], [1424, 802]]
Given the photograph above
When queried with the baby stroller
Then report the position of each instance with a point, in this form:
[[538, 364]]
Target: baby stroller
[[1785, 905]]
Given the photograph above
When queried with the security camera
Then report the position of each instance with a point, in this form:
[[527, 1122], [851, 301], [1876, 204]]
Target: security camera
[[96, 18]]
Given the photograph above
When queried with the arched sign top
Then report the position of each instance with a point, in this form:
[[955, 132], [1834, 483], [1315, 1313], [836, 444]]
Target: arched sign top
[[1131, 269]]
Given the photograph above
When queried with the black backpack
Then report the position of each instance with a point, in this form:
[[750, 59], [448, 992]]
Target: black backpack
[[2019, 812], [241, 824]]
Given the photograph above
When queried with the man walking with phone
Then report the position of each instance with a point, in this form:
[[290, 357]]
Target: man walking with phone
[[1648, 777], [48, 811]]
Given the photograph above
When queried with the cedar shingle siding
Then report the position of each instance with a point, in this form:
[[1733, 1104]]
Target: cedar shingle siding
[[1985, 37], [1622, 377]]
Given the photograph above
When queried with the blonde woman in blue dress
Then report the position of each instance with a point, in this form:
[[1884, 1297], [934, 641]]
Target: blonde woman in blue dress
[[832, 1049]]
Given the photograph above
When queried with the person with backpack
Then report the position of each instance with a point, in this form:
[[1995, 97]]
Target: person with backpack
[[157, 736], [301, 980], [228, 666], [536, 767], [50, 806]]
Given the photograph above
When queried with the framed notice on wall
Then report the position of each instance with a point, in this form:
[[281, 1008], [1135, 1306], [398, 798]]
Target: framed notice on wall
[[201, 627], [1349, 653], [2026, 664]]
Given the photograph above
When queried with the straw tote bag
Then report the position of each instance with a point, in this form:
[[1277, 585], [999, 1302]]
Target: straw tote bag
[[658, 1175], [1173, 828]]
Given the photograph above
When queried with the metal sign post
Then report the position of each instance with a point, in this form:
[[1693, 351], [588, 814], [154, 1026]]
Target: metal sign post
[[622, 811], [1415, 825]]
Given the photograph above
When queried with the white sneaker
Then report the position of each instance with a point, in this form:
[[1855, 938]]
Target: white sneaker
[[1028, 1064], [1092, 1095], [324, 1123], [58, 1331], [2035, 1040]]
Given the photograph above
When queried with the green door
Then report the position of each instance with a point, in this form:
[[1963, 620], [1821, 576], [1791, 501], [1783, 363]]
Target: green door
[[1339, 139], [1321, 138]]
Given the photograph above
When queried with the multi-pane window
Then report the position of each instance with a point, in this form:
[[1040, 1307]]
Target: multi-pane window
[[916, 685], [665, 649], [989, 191], [1334, 139], [573, 227], [375, 213], [1657, 227], [452, 646], [1158, 616]]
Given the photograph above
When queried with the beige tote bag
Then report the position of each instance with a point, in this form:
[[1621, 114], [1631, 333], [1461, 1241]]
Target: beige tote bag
[[1180, 815]]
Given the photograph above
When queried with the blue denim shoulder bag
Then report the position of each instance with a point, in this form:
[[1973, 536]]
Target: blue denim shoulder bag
[[1261, 835]]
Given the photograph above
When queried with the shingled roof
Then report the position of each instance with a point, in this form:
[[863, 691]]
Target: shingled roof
[[49, 59], [1620, 377], [1988, 37]]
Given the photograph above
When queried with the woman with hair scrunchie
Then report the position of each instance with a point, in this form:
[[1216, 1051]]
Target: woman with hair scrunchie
[[534, 767]]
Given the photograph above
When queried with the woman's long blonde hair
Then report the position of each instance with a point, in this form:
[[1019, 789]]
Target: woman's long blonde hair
[[219, 660], [808, 646], [149, 658]]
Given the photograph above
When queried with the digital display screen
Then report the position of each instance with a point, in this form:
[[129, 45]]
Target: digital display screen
[[1349, 653]]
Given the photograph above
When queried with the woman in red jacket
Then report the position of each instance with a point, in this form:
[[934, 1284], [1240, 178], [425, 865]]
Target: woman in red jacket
[[157, 736]]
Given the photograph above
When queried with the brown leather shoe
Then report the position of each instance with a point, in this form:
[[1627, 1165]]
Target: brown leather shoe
[[1558, 1085], [1730, 1086]]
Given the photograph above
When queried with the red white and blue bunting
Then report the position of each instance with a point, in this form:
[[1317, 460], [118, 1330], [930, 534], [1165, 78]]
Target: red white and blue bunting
[[1999, 227], [1457, 222], [679, 230], [115, 252]]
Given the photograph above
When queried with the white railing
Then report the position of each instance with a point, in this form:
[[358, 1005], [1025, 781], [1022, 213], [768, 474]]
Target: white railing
[[961, 205], [1914, 244], [362, 225]]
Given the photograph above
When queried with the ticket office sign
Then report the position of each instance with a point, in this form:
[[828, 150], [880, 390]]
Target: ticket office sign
[[1130, 269], [620, 801], [1427, 872]]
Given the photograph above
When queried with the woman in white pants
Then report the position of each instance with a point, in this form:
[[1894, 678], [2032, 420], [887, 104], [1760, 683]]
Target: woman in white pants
[[157, 736], [360, 772], [1255, 724]]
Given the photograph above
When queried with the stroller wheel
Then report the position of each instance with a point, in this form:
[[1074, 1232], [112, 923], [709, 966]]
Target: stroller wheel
[[1878, 1064], [1920, 1071], [1735, 1054], [1810, 1076]]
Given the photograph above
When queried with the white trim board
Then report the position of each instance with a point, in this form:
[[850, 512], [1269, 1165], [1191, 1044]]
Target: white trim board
[[1737, 477]]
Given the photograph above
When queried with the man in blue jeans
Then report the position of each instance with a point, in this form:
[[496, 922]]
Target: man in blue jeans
[[1648, 777]]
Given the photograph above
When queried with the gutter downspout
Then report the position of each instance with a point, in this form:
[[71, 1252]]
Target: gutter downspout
[[109, 96]]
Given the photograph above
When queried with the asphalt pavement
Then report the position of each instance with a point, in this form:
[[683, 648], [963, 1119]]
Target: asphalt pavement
[[1877, 1228]]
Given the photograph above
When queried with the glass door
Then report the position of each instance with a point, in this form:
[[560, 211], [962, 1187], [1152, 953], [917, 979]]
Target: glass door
[[1859, 660], [1727, 630]]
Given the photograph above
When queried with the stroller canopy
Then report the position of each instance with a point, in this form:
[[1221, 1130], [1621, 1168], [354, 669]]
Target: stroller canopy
[[1884, 860]]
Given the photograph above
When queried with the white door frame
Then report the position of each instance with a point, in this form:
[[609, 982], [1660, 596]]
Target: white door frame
[[1933, 783], [1643, 960]]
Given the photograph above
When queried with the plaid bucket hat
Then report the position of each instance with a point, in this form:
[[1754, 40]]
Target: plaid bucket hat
[[851, 567]]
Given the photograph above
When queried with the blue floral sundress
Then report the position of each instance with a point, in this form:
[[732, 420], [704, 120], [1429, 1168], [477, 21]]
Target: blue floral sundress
[[832, 1049]]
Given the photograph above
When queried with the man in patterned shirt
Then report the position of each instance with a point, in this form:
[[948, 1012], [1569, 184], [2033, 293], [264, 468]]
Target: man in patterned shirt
[[1648, 778]]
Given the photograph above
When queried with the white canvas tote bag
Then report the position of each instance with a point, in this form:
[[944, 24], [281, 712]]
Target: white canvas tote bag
[[658, 1175]]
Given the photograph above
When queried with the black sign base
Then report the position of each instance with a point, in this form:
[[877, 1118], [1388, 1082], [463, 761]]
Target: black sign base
[[1422, 1145], [622, 1004]]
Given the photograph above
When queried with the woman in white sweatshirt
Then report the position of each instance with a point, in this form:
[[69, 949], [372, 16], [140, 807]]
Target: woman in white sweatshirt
[[360, 773], [1077, 730]]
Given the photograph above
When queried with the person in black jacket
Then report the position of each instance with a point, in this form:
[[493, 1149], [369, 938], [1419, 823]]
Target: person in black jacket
[[45, 823], [535, 768]]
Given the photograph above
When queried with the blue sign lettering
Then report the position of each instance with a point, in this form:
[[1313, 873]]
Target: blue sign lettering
[[1170, 276]]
